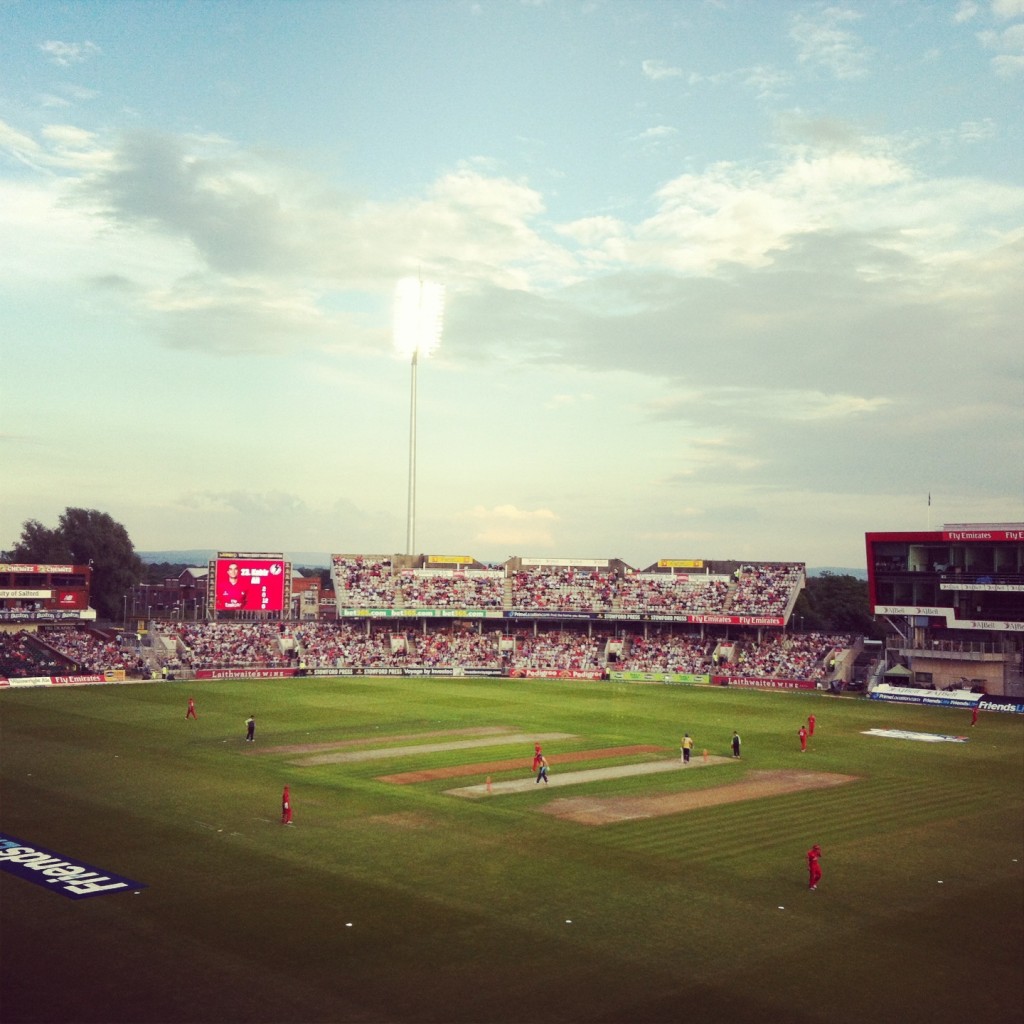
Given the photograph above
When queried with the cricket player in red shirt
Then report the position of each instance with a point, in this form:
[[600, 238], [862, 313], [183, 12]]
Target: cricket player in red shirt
[[191, 713], [286, 807], [813, 867], [803, 739], [537, 756], [974, 715], [810, 725]]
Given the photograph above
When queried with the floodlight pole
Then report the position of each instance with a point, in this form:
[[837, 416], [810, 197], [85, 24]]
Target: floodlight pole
[[410, 530], [418, 310]]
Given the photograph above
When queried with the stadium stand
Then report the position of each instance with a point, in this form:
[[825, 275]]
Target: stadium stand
[[667, 653], [445, 589], [667, 594], [66, 651], [351, 646], [420, 614], [764, 589], [88, 650], [229, 644], [364, 581], [801, 656], [560, 589]]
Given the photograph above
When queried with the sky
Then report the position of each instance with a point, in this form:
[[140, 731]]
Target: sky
[[734, 279]]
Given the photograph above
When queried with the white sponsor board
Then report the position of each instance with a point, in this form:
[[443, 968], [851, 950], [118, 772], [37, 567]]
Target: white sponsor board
[[921, 737]]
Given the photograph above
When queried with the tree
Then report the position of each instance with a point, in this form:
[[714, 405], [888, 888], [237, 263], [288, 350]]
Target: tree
[[157, 572], [38, 544], [838, 603], [86, 537]]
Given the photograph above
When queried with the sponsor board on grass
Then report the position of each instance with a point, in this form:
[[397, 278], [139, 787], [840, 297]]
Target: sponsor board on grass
[[950, 698], [921, 737], [916, 695], [65, 875]]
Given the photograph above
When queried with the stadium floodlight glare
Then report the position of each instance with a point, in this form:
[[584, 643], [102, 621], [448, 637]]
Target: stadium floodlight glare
[[419, 313]]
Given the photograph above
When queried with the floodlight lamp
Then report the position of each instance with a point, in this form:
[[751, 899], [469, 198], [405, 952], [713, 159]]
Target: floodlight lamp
[[419, 314]]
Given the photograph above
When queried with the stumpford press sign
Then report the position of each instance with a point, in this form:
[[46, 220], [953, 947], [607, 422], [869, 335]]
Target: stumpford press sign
[[66, 875]]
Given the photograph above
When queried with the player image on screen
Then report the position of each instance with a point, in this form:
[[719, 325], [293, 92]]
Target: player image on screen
[[232, 589]]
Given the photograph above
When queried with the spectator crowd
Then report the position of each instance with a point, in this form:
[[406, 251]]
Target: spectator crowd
[[460, 647], [605, 600]]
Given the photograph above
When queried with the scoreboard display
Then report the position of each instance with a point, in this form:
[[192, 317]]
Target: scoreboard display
[[249, 583]]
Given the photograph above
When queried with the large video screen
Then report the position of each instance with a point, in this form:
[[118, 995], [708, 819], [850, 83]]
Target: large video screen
[[249, 584]]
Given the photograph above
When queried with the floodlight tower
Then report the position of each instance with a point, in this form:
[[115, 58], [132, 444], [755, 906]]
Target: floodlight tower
[[419, 313]]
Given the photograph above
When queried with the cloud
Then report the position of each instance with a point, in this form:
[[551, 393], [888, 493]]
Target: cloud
[[821, 133], [739, 404], [506, 526], [563, 401], [1008, 65], [734, 270], [767, 82], [1008, 42], [21, 147], [658, 70], [235, 318], [977, 131], [66, 54], [592, 230], [234, 217], [823, 41], [1004, 9], [70, 147], [1009, 61], [266, 520], [658, 133]]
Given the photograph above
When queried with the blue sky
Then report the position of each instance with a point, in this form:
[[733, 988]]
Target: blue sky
[[729, 279]]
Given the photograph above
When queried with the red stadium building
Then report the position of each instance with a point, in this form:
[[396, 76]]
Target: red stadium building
[[955, 600], [45, 593]]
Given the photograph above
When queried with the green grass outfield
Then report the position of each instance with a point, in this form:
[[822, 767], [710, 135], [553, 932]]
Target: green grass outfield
[[400, 903]]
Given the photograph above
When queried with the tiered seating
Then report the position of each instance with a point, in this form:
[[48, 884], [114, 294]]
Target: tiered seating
[[466, 649], [559, 651], [764, 589], [344, 645], [683, 654], [233, 645], [670, 594], [800, 656], [438, 588], [364, 581], [559, 588], [87, 651], [21, 657]]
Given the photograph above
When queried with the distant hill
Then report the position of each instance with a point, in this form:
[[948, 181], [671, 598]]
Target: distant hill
[[200, 557]]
